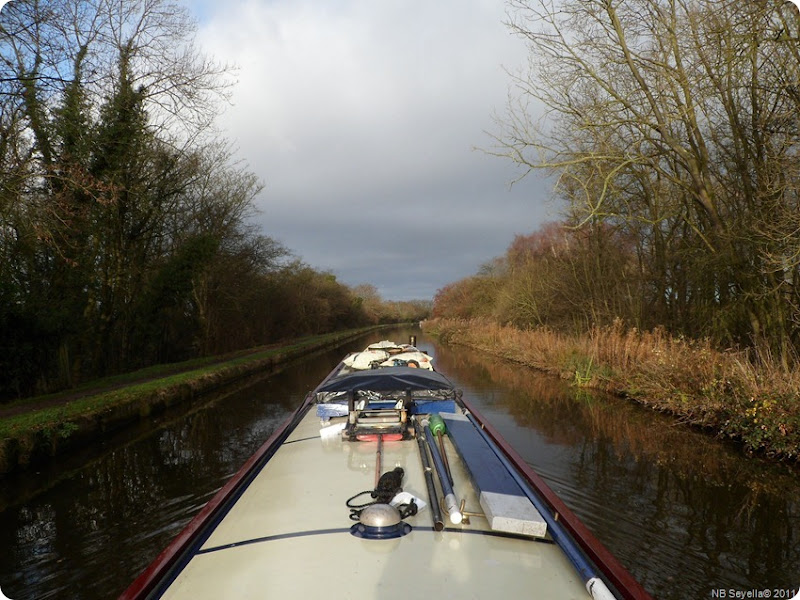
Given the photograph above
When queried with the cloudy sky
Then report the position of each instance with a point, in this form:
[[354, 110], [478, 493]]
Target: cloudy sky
[[362, 118]]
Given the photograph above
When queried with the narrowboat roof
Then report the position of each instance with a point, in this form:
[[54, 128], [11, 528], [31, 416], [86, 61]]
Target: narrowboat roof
[[390, 499]]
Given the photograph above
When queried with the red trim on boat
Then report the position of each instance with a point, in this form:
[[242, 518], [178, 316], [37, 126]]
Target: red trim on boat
[[618, 575], [158, 570]]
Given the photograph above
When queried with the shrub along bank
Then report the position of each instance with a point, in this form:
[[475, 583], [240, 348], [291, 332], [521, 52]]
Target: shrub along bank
[[32, 431], [722, 392]]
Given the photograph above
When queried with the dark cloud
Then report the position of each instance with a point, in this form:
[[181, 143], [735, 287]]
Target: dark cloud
[[361, 117]]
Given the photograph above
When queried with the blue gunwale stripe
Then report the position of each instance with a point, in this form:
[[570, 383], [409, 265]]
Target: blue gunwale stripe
[[305, 439], [273, 538], [315, 532]]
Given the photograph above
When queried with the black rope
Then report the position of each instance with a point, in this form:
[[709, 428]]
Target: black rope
[[407, 510], [389, 485], [354, 506]]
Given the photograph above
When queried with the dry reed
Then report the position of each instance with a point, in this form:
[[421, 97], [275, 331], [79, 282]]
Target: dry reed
[[724, 392]]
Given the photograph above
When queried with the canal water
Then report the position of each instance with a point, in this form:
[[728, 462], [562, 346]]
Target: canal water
[[689, 516]]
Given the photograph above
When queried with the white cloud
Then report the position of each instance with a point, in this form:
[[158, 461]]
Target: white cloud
[[361, 117]]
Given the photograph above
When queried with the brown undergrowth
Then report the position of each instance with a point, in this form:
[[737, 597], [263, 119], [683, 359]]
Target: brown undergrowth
[[724, 392]]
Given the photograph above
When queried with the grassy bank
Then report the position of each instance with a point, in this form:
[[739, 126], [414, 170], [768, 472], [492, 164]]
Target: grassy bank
[[36, 428], [723, 392]]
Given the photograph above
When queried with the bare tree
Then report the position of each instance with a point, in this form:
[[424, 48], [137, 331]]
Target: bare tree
[[106, 106], [677, 120]]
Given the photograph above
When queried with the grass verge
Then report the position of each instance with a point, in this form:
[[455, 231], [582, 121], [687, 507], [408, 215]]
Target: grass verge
[[49, 425], [723, 392]]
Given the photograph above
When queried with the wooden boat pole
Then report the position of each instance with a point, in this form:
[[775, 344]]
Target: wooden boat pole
[[433, 498], [378, 460]]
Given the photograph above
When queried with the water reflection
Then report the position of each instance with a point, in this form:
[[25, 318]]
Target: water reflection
[[684, 512], [84, 526]]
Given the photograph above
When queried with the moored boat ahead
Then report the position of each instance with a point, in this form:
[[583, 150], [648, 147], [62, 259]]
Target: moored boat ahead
[[385, 483]]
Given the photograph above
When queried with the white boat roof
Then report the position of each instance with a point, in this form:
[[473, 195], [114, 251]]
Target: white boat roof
[[288, 536]]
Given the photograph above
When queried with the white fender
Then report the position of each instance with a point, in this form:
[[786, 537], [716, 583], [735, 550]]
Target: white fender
[[598, 590]]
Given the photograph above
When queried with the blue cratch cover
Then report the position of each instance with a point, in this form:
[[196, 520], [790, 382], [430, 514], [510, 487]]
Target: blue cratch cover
[[388, 379]]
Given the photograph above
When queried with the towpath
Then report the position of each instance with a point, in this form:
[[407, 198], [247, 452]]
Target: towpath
[[18, 407]]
